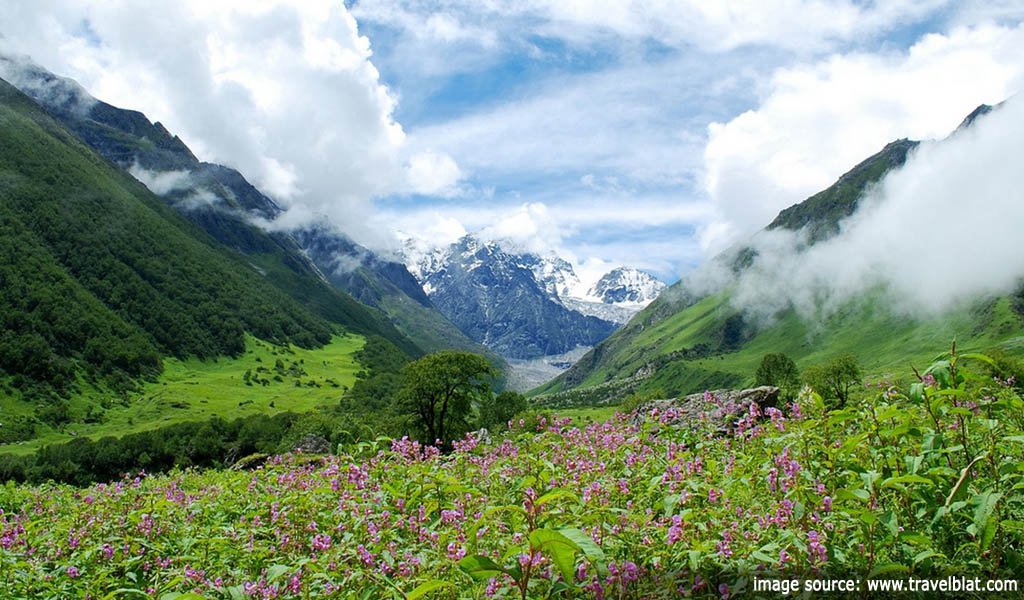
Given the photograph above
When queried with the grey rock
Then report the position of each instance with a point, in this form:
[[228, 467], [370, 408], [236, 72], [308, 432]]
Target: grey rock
[[313, 444], [717, 405]]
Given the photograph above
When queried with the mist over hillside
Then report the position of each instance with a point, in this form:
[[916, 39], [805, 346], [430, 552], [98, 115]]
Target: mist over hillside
[[936, 233]]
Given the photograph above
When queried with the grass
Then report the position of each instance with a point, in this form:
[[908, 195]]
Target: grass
[[581, 417], [195, 390], [884, 343]]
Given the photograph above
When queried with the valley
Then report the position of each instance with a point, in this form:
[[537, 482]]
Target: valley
[[461, 300]]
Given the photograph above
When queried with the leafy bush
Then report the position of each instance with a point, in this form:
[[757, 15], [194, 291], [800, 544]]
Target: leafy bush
[[498, 410], [834, 379]]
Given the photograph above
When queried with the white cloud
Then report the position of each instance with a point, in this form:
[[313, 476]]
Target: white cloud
[[595, 128], [715, 26], [940, 232], [433, 174], [819, 120], [284, 91], [531, 227], [161, 182]]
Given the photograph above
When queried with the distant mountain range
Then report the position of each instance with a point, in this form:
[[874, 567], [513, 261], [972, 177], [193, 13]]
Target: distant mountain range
[[522, 304]]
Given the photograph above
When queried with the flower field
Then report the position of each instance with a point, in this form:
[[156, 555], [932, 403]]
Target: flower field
[[924, 481]]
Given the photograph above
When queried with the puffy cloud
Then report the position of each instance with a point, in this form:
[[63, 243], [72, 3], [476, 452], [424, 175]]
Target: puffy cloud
[[284, 91], [818, 120], [941, 231], [433, 174]]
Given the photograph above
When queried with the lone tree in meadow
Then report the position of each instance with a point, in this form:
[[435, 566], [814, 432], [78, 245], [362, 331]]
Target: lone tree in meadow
[[439, 391], [835, 378], [779, 370]]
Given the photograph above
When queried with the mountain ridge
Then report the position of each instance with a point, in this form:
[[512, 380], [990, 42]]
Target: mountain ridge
[[222, 202], [86, 228], [554, 292]]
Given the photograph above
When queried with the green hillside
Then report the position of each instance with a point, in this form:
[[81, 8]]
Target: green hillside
[[399, 311], [682, 344], [117, 314], [689, 351], [265, 379]]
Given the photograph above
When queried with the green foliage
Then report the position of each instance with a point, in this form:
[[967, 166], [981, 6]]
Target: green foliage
[[924, 482], [440, 389], [98, 275], [835, 379], [16, 428], [778, 369], [1006, 367], [498, 410], [213, 443]]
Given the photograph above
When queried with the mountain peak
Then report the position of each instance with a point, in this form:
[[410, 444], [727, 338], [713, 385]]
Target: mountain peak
[[626, 285]]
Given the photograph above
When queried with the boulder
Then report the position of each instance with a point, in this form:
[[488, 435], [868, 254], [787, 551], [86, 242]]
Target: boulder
[[313, 444], [717, 405]]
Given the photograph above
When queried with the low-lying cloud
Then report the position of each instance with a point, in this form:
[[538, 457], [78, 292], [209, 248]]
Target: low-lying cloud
[[23, 74], [162, 183], [942, 231]]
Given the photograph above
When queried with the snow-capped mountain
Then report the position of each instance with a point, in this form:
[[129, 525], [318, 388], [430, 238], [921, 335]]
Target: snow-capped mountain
[[524, 304], [495, 298], [626, 285], [554, 274]]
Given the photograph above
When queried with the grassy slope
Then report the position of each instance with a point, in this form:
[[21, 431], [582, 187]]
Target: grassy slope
[[93, 261], [882, 342], [195, 390]]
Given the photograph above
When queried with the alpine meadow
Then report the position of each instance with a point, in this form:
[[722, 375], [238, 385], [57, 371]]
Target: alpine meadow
[[366, 299]]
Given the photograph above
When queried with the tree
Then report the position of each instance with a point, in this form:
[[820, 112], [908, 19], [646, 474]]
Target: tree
[[779, 370], [439, 391], [835, 378], [498, 410]]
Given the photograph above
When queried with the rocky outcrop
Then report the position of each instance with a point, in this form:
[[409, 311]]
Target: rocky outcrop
[[313, 444], [718, 405]]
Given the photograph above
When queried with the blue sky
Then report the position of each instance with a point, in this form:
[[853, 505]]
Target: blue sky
[[482, 91], [640, 132]]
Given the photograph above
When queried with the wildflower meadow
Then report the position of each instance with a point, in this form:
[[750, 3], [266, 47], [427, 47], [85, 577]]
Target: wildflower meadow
[[921, 481]]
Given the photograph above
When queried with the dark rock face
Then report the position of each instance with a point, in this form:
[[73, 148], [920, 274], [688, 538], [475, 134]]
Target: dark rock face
[[357, 270], [496, 300]]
